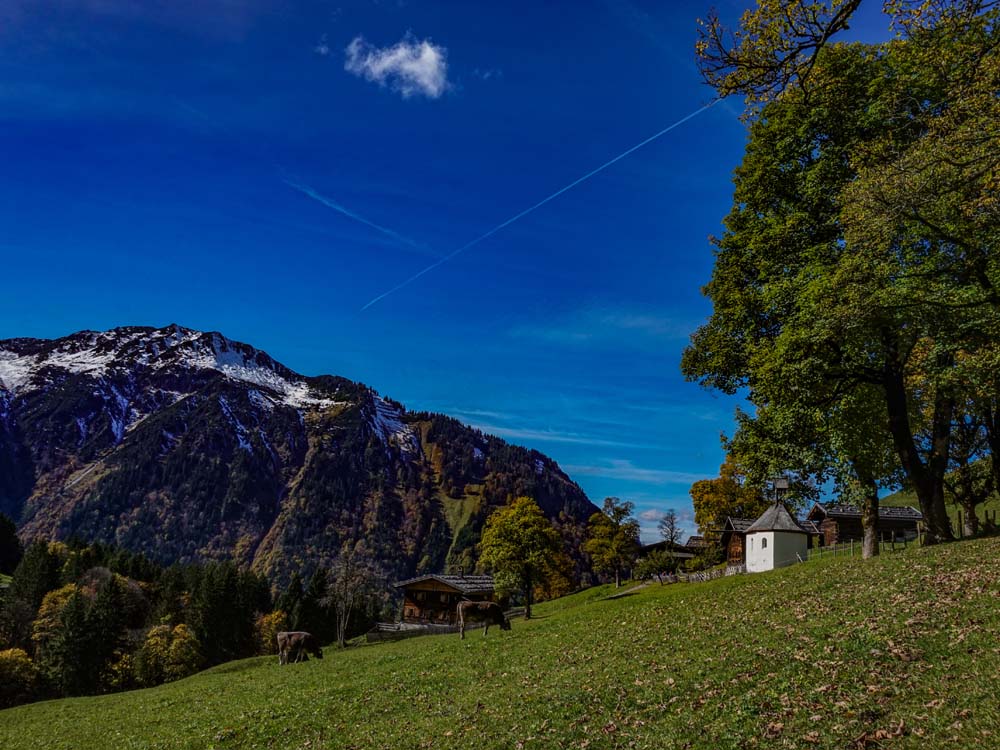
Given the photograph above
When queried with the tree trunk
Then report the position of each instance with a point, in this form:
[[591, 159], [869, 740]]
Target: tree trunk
[[927, 478], [869, 513], [992, 421], [970, 522], [527, 598]]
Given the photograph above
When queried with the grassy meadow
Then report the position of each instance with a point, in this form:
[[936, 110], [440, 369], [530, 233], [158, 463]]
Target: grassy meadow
[[901, 652]]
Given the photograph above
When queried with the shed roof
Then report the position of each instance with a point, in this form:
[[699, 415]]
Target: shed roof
[[739, 525], [694, 542], [888, 512], [776, 518], [809, 526], [463, 584]]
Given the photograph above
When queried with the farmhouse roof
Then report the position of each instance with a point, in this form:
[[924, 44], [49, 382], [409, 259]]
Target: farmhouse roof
[[776, 518], [695, 542], [888, 512], [463, 584]]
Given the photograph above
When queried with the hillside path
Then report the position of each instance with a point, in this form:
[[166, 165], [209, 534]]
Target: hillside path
[[628, 591]]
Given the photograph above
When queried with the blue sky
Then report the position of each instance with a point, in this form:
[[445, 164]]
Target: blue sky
[[267, 168]]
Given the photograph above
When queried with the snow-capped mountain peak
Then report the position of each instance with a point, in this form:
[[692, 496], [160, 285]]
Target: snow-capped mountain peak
[[29, 363]]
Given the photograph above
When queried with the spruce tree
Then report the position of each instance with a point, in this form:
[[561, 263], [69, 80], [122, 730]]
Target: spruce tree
[[288, 602], [106, 622], [70, 663], [312, 614], [34, 577]]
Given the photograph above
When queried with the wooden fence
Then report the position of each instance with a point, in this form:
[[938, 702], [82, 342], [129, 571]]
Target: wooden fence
[[397, 631], [852, 548], [706, 575]]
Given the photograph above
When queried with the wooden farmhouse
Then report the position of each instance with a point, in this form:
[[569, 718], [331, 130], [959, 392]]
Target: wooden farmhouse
[[775, 540], [432, 599], [678, 551], [842, 523]]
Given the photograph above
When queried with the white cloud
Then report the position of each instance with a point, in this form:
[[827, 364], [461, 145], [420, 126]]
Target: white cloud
[[547, 436], [627, 471], [410, 66], [617, 328], [652, 515], [486, 74]]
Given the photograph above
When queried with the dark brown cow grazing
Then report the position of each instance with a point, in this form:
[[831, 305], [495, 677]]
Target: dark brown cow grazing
[[294, 644], [485, 612]]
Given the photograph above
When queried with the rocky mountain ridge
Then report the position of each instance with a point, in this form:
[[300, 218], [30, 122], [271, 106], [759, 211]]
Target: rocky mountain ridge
[[186, 445]]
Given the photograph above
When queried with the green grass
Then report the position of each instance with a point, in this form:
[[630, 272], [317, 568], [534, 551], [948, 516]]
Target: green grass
[[4, 580], [902, 650]]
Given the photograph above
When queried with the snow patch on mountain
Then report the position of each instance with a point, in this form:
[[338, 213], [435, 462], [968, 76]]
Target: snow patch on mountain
[[389, 426], [15, 371], [262, 402], [5, 410], [241, 431]]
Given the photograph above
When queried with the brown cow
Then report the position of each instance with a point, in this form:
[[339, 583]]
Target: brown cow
[[489, 613], [295, 644]]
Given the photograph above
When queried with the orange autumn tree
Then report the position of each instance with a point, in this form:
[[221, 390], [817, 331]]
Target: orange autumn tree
[[730, 494]]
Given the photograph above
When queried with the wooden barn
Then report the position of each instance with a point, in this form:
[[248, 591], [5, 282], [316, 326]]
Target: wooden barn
[[432, 599], [842, 523]]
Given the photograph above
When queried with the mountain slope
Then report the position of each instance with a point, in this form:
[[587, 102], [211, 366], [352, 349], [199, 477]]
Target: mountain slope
[[187, 445]]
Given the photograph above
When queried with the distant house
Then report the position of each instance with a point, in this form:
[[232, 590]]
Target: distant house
[[678, 551], [840, 523], [432, 599], [775, 540]]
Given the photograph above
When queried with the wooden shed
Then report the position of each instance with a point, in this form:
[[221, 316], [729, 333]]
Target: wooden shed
[[841, 523], [432, 599], [733, 539], [696, 543]]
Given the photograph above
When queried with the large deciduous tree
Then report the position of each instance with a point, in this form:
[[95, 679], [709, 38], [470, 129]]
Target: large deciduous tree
[[521, 547], [613, 541], [859, 263], [353, 580]]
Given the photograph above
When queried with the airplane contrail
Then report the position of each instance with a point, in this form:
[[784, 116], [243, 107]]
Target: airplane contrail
[[330, 203], [538, 205]]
